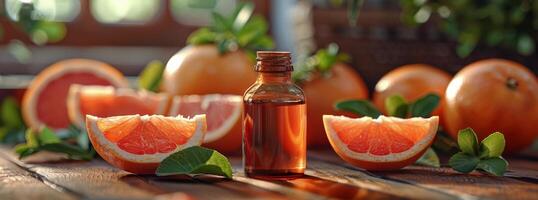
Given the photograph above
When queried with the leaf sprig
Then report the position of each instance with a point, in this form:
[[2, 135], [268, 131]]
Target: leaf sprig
[[486, 156], [396, 106], [320, 63], [241, 30], [47, 140]]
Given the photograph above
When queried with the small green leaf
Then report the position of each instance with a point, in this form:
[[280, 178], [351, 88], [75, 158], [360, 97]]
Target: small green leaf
[[243, 15], [83, 140], [220, 23], [47, 136], [31, 138], [396, 106], [496, 166], [424, 106], [468, 142], [492, 146], [150, 78], [525, 45], [430, 159], [202, 36], [195, 160], [73, 152], [463, 162], [360, 107], [10, 114]]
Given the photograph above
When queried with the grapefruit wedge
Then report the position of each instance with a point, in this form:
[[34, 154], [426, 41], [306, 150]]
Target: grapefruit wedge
[[385, 143], [223, 118], [107, 101], [44, 102], [138, 144]]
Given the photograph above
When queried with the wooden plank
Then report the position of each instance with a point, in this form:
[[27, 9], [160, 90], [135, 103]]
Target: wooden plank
[[464, 186], [17, 183], [363, 179]]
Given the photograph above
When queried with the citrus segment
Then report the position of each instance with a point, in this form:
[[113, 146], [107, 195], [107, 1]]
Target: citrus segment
[[223, 118], [107, 101], [44, 102], [139, 143], [380, 144]]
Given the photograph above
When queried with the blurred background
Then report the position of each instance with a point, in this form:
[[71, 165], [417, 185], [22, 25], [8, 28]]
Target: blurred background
[[384, 35]]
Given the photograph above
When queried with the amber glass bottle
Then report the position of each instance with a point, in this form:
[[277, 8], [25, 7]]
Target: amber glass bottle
[[274, 120]]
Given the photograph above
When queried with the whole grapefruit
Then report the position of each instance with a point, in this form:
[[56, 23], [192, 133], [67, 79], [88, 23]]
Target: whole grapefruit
[[203, 70], [494, 95], [411, 82]]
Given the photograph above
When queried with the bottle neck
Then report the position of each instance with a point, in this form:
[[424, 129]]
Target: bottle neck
[[274, 77]]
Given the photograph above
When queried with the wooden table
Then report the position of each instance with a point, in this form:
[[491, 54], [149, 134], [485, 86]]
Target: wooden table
[[49, 176]]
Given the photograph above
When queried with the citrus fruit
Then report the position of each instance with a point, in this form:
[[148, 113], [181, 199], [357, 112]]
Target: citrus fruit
[[385, 143], [494, 95], [44, 102], [138, 144], [323, 92], [411, 82], [107, 101], [203, 70], [223, 114]]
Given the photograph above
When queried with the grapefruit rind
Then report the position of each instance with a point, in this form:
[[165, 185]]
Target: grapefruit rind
[[111, 152], [58, 69], [73, 99], [345, 152], [205, 100]]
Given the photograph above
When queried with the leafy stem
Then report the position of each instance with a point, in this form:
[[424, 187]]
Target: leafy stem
[[486, 156], [240, 30], [320, 63]]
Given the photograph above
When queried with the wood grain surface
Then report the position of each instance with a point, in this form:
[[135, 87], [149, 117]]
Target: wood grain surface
[[50, 176]]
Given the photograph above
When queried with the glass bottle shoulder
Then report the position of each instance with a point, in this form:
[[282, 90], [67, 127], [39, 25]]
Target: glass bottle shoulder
[[274, 93]]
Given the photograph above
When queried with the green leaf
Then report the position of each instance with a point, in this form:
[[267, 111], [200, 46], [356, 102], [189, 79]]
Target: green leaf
[[353, 11], [202, 36], [492, 146], [424, 106], [10, 114], [73, 152], [496, 166], [468, 142], [525, 45], [360, 107], [150, 78], [463, 162], [83, 140], [47, 136], [396, 106], [31, 138], [195, 160], [429, 158], [252, 31], [54, 31], [243, 15], [220, 23]]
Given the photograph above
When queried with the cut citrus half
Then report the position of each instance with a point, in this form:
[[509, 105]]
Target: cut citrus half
[[223, 118], [44, 102], [385, 143], [138, 144], [107, 101]]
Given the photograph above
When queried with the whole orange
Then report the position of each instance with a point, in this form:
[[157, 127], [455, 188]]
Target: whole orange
[[203, 70], [494, 95], [323, 92], [411, 82]]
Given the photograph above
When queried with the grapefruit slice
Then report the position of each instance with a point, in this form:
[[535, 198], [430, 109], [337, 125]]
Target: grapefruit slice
[[138, 144], [223, 118], [385, 143], [44, 102], [107, 101]]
